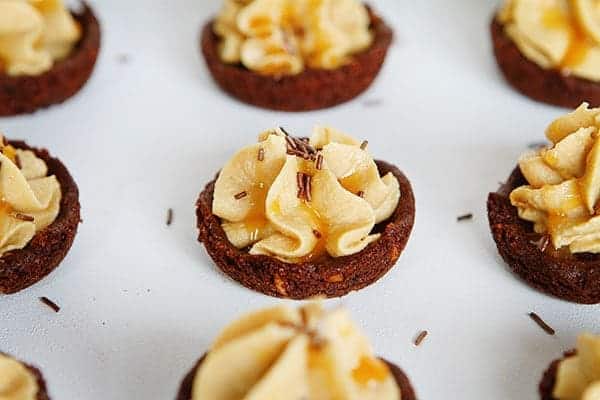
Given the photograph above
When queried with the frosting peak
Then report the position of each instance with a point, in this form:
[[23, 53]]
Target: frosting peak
[[34, 34], [578, 376], [560, 34], [285, 353], [562, 196], [295, 199], [16, 381], [282, 37], [29, 199]]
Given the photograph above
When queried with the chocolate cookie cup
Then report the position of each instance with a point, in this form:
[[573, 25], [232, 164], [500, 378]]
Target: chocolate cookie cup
[[332, 277], [26, 94], [548, 382], [408, 393], [572, 277], [310, 90], [545, 85], [22, 268], [42, 391]]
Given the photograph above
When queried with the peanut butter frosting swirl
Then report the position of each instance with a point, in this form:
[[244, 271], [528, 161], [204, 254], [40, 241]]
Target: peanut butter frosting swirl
[[29, 199], [16, 381], [556, 34], [283, 37], [561, 197], [287, 353], [578, 376], [296, 200], [34, 34]]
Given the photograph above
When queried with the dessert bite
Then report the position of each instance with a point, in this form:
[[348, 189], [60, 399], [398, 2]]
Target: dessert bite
[[577, 375], [19, 381], [46, 53], [39, 214], [288, 353], [545, 218], [297, 218], [295, 55], [550, 50]]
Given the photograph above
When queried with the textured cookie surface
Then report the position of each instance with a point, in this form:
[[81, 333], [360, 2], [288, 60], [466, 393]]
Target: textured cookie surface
[[545, 85], [572, 277], [20, 269], [548, 382], [311, 89], [408, 393], [25, 94], [332, 277]]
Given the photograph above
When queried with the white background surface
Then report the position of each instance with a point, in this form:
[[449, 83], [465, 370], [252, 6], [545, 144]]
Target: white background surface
[[142, 301]]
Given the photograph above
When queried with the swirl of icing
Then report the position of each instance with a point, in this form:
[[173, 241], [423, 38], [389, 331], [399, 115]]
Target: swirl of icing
[[563, 188], [29, 199], [296, 206], [34, 34], [286, 353], [282, 37], [556, 34]]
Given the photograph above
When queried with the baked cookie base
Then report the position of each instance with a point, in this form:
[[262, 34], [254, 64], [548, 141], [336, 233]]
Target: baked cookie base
[[546, 85], [572, 277], [26, 94], [406, 389], [310, 90], [20, 269], [331, 277]]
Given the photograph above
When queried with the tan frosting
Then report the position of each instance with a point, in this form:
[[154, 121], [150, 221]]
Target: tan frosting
[[282, 37], [287, 353], [348, 197], [561, 198], [25, 191], [578, 377], [34, 34], [16, 381], [557, 34]]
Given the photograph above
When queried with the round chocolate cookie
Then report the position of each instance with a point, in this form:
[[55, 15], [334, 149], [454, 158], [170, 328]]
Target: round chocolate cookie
[[549, 379], [42, 393], [310, 90], [406, 389], [20, 269], [545, 85], [25, 94], [332, 277], [572, 277]]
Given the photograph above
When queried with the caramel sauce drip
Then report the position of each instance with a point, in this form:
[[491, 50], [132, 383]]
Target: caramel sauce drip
[[579, 43], [355, 183], [370, 369], [5, 209]]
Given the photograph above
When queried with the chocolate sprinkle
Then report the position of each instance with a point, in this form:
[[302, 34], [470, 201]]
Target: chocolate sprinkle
[[308, 187], [241, 195], [317, 234], [169, 216], [24, 217], [364, 144], [420, 337], [50, 304], [300, 184], [536, 145], [261, 154], [282, 129], [360, 194], [465, 217], [543, 243], [542, 324], [319, 162]]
